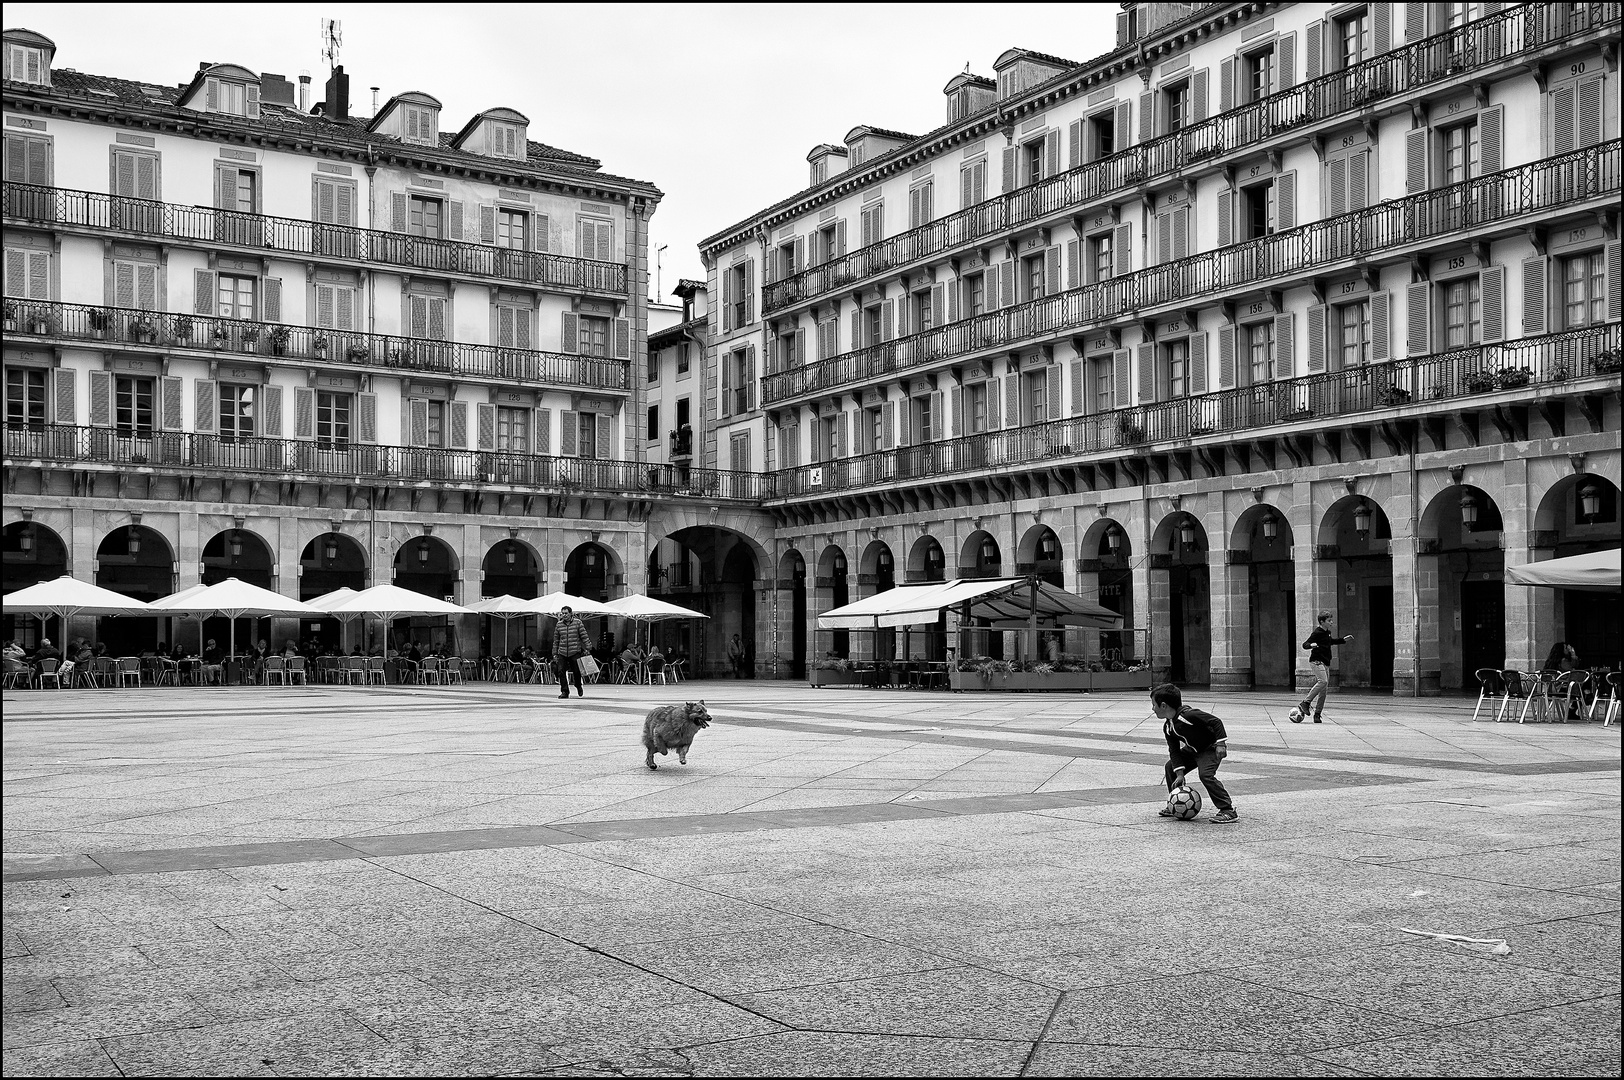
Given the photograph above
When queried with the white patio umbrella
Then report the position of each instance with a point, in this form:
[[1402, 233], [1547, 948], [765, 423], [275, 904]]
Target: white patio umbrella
[[646, 609], [503, 607], [326, 602], [185, 594], [391, 602], [234, 599], [554, 602], [66, 597]]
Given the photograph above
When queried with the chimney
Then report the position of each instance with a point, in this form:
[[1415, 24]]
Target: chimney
[[338, 95], [275, 90], [304, 91]]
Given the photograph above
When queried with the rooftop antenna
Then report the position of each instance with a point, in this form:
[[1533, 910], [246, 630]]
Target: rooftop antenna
[[332, 36]]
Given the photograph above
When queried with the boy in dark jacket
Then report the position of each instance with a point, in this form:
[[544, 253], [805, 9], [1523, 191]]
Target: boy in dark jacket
[[1195, 740], [1319, 645]]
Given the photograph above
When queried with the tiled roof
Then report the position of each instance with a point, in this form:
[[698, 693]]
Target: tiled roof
[[671, 335], [283, 118]]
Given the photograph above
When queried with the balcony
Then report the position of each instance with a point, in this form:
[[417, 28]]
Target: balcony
[[207, 337], [1585, 360], [1294, 255], [1436, 61], [181, 452], [59, 207]]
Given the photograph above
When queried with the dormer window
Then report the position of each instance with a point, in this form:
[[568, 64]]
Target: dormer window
[[25, 64], [232, 98], [506, 140], [418, 125]]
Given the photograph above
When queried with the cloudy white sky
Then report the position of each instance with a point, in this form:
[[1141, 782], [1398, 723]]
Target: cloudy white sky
[[716, 104]]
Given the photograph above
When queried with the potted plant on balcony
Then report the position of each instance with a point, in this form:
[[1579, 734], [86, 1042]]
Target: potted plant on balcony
[[279, 340], [250, 336], [1608, 363], [11, 315], [319, 344], [357, 354], [1128, 427], [1507, 378], [144, 329], [38, 323], [97, 317], [181, 327], [1560, 371], [1478, 382], [222, 334]]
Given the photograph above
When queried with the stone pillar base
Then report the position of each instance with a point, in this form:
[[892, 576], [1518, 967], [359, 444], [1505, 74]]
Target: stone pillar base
[[1237, 681]]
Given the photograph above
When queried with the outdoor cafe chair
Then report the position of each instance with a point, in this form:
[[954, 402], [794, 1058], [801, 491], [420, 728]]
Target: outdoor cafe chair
[[1490, 688], [48, 670], [375, 671], [128, 669], [655, 669], [430, 672], [355, 670], [674, 669], [1610, 709], [451, 670], [1517, 686], [1567, 692], [502, 670], [296, 670], [165, 671], [16, 674], [276, 669]]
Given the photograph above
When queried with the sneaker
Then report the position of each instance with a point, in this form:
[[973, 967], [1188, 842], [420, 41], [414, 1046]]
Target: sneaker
[[1165, 811], [1225, 817], [1316, 719], [564, 696]]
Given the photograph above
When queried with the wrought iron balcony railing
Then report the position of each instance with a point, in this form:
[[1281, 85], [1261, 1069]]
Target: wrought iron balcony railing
[[1316, 248], [171, 451], [1438, 60], [50, 206], [1552, 362], [174, 332]]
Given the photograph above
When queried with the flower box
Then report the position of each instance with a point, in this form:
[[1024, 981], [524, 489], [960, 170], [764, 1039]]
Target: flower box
[[1023, 682], [826, 677]]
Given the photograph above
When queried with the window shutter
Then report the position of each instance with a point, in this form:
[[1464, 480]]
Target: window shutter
[[800, 253], [1147, 374], [539, 236], [1226, 357], [1051, 154], [750, 378], [1381, 332], [1198, 92], [1418, 317], [146, 293], [1124, 121], [1226, 85], [203, 405], [914, 218], [225, 189], [904, 309], [1181, 232], [1051, 393], [273, 299], [957, 398], [64, 396], [304, 413], [1316, 337], [1492, 284], [123, 168], [124, 285], [366, 416], [487, 224], [39, 275], [1122, 251], [344, 205], [271, 397], [902, 434], [1285, 200], [253, 101], [840, 238], [800, 342], [966, 180], [1415, 159], [1009, 168], [1198, 363], [1587, 112], [454, 219], [1415, 21], [1314, 48], [1491, 138], [1285, 59], [173, 418], [203, 292], [1075, 136], [1147, 117], [1336, 187], [886, 320], [1076, 388], [398, 216], [938, 304], [840, 436], [1164, 238], [459, 425], [1007, 288], [1615, 281], [544, 431], [101, 399], [1052, 285], [1074, 261], [344, 309], [569, 334], [419, 412], [749, 291], [729, 288], [211, 95], [1285, 345], [623, 339], [857, 329], [1226, 211], [991, 389], [1359, 180], [1382, 20], [606, 436], [1012, 400], [1564, 133]]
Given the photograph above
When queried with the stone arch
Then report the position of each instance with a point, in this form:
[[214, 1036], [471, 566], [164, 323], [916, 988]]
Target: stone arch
[[980, 555], [750, 527], [513, 567], [926, 560], [589, 570], [331, 560], [34, 552], [1444, 519], [1338, 526], [1096, 539], [833, 591], [138, 561], [1250, 528], [1587, 621], [1353, 578], [239, 553], [427, 565], [1040, 552], [877, 568], [1469, 560], [791, 595], [1560, 515], [1270, 579]]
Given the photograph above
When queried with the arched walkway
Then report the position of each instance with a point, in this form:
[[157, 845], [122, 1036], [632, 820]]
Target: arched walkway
[[1181, 600], [926, 561], [244, 555], [1460, 532], [137, 561], [1107, 576], [33, 553], [717, 570], [877, 574], [832, 591], [1354, 567], [332, 561], [1577, 515], [1264, 534], [427, 565], [792, 614], [1040, 553]]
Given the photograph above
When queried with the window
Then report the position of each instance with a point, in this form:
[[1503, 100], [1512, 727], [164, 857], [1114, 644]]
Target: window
[[871, 322], [652, 428], [919, 413], [1100, 257], [1032, 161], [873, 223], [682, 413], [973, 183], [332, 419], [1353, 333], [236, 297], [787, 357], [1032, 277], [1104, 384], [977, 408], [921, 205], [829, 438], [512, 229], [1036, 387], [736, 289], [1175, 368], [682, 358], [594, 335], [828, 245], [239, 190], [1260, 351], [874, 422], [423, 217], [786, 260], [595, 239], [1460, 152], [236, 411], [1461, 14], [132, 406], [1352, 38], [419, 125], [1584, 290], [233, 98], [653, 365], [25, 398], [739, 384], [1102, 135], [1259, 74], [1176, 105], [436, 423], [505, 141], [28, 161], [24, 64], [975, 295], [921, 311], [1257, 204], [28, 273], [513, 429], [738, 452], [1463, 313], [587, 434]]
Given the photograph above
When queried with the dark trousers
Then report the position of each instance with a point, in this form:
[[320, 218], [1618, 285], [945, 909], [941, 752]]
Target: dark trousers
[[566, 668], [1205, 765]]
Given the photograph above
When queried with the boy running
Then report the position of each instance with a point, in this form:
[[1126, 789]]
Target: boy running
[[1319, 645], [1195, 740]]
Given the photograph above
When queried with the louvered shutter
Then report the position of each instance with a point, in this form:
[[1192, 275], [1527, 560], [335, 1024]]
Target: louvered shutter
[[344, 309], [211, 95], [437, 318], [1382, 20], [1226, 357], [344, 205], [273, 299], [623, 339], [1418, 318], [800, 342], [1051, 154], [1226, 85], [1615, 281], [253, 101], [1198, 363], [840, 435], [1007, 284], [1147, 374], [1564, 133], [729, 298], [487, 224], [1359, 180], [1076, 388], [225, 187], [904, 310], [1074, 135], [886, 320], [146, 291], [1009, 168], [1164, 238], [1314, 49], [1181, 232], [1122, 250], [123, 173], [203, 405], [1587, 112], [203, 300], [1415, 160], [727, 364], [749, 291], [1415, 21], [1285, 53], [1336, 187], [1122, 135], [485, 422], [606, 438], [1491, 138], [271, 402], [1147, 117], [398, 217], [1051, 393], [124, 285], [172, 388], [544, 431], [957, 399], [1381, 328], [569, 334], [991, 389], [39, 275], [1012, 400], [904, 420], [1074, 265], [840, 238], [1316, 337], [1198, 93], [459, 425], [417, 413], [366, 416], [1226, 212], [454, 220], [1285, 345], [750, 378], [1285, 200], [64, 396], [938, 304], [1052, 284], [914, 217], [101, 399], [1492, 287], [800, 253]]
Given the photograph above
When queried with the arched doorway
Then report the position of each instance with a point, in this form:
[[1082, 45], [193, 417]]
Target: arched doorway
[[333, 561], [427, 565], [1107, 576], [511, 568], [138, 562], [1578, 515], [1179, 566], [833, 592], [1265, 535], [981, 557], [1461, 526], [33, 553], [723, 567], [244, 555], [588, 571], [738, 590], [792, 611], [927, 563], [1356, 535], [1040, 554], [876, 574]]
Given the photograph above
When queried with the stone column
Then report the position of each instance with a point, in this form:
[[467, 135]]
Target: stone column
[[1523, 639], [1311, 594], [1231, 620]]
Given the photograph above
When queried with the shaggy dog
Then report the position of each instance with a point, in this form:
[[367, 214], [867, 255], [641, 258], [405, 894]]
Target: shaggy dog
[[672, 727]]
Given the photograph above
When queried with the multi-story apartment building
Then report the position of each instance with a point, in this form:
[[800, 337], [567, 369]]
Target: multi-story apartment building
[[1273, 308]]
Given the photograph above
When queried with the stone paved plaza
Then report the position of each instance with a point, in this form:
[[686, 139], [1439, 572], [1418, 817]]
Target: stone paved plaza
[[485, 880]]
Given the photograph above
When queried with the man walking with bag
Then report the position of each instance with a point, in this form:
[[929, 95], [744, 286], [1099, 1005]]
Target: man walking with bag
[[570, 643]]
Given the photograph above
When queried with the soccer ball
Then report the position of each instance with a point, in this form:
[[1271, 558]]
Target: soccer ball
[[1295, 715], [1185, 802]]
